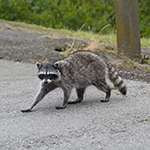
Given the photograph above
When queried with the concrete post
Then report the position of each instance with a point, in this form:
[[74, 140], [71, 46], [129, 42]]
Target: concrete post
[[128, 30]]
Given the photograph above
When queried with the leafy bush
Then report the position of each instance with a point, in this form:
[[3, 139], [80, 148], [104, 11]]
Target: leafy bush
[[71, 14], [144, 13]]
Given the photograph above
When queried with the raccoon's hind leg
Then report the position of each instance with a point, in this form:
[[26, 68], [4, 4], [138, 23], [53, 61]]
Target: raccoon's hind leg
[[80, 93], [105, 88]]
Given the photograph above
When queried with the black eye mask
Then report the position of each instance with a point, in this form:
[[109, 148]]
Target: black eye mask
[[41, 76], [50, 76]]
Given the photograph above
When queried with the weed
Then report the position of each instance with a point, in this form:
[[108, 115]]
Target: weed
[[147, 61], [43, 60], [131, 64], [146, 76]]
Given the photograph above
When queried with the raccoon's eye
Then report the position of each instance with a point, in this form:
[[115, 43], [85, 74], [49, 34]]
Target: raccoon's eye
[[52, 76], [41, 76]]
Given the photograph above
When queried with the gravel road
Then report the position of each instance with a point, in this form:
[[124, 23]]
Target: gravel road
[[121, 124]]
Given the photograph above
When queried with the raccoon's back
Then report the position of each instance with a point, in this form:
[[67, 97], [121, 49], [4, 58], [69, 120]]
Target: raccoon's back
[[84, 67], [84, 59]]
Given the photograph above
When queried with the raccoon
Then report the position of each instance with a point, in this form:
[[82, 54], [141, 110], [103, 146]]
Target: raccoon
[[80, 70]]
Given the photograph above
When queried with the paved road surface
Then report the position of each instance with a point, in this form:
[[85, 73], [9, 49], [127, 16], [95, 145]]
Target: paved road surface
[[121, 124]]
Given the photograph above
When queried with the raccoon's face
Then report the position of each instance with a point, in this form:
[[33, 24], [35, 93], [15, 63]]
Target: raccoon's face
[[47, 73]]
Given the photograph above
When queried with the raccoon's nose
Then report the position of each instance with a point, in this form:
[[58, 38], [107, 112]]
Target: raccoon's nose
[[45, 82]]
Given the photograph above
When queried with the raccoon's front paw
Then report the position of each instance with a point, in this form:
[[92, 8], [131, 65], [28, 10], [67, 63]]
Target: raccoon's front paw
[[61, 107], [26, 110], [104, 101]]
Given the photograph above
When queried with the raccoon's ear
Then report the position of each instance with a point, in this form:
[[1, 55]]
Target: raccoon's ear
[[38, 65], [56, 65]]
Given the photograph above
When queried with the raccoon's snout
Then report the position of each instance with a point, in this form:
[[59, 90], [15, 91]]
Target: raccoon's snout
[[45, 82]]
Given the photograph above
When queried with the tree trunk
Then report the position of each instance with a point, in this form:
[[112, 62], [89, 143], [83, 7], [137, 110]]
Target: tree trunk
[[128, 30]]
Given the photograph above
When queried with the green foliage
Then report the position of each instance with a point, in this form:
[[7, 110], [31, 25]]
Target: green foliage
[[144, 13], [131, 64], [71, 14], [146, 76], [143, 76]]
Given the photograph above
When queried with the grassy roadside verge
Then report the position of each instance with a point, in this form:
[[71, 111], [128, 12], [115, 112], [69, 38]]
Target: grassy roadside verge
[[108, 39], [101, 38]]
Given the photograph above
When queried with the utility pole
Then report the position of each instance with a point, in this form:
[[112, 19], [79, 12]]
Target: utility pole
[[128, 29]]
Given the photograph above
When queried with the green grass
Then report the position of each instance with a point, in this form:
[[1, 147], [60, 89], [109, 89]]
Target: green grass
[[108, 38], [145, 42]]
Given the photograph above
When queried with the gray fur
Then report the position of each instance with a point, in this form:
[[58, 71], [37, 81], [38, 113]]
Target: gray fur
[[80, 70]]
